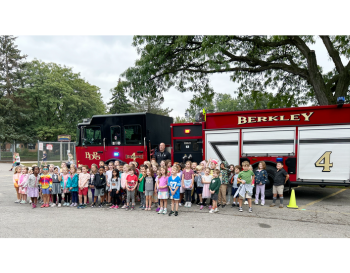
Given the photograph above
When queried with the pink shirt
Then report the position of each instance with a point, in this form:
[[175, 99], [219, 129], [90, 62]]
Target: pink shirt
[[123, 179], [163, 181], [84, 180]]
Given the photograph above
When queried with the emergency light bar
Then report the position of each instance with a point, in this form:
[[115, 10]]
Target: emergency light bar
[[116, 154], [279, 159]]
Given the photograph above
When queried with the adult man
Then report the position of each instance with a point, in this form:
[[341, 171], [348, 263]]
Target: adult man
[[162, 154]]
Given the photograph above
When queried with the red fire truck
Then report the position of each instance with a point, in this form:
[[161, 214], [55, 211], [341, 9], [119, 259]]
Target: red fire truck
[[312, 142], [122, 137]]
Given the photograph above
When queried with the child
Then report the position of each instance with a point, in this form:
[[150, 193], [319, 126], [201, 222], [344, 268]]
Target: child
[[83, 187], [156, 176], [234, 182], [30, 171], [64, 187], [212, 165], [13, 162], [115, 189], [15, 182], [224, 182], [162, 163], [187, 183], [246, 177], [56, 188], [93, 172], [168, 165], [32, 184], [206, 179], [163, 192], [21, 183], [108, 180], [44, 159], [194, 188], [101, 163], [214, 190], [281, 177], [45, 183], [99, 184], [198, 181], [131, 184], [142, 176], [174, 184], [73, 185], [260, 181], [123, 179], [149, 188]]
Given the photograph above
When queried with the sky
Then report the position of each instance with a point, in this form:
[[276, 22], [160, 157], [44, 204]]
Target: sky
[[101, 59]]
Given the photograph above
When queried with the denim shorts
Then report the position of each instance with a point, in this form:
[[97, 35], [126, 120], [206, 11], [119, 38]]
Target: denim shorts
[[45, 191], [234, 191], [199, 190]]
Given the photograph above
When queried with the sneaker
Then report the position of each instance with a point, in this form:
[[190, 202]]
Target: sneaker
[[209, 207], [223, 206], [25, 202], [233, 205], [245, 202], [127, 208], [112, 207], [211, 211], [93, 205], [34, 206], [132, 208], [116, 207], [219, 205], [17, 201], [47, 205], [84, 206], [43, 206], [30, 201], [216, 210], [79, 207], [240, 209], [256, 203], [72, 205], [140, 207], [165, 211], [180, 204], [281, 206], [262, 204], [123, 207], [59, 205], [160, 211], [201, 207], [143, 207], [272, 205], [53, 205], [170, 213], [176, 213], [250, 210], [157, 210], [100, 205], [75, 204], [189, 204]]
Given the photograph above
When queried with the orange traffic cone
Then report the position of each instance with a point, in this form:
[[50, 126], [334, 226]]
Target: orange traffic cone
[[292, 201]]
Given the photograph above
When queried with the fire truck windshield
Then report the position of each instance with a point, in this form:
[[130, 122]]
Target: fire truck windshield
[[91, 136]]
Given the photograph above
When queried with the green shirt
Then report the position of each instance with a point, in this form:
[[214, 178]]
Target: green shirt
[[246, 175], [215, 185], [142, 184]]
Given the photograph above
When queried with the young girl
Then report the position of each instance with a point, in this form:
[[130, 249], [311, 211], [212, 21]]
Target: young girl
[[45, 183], [149, 188], [21, 183], [115, 189], [168, 165], [174, 184], [162, 163], [260, 179], [198, 180], [32, 186], [237, 170], [187, 183], [56, 188], [163, 191], [73, 185], [15, 182], [92, 175], [64, 186], [13, 162], [157, 175], [123, 180], [206, 179]]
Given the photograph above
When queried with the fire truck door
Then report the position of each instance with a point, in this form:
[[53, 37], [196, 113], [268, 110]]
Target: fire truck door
[[222, 145], [324, 153]]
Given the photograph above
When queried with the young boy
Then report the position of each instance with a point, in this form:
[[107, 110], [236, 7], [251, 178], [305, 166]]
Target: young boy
[[142, 185], [237, 170], [246, 177], [214, 190], [194, 188], [224, 181], [281, 177], [84, 178], [131, 184], [174, 184], [100, 185], [45, 183]]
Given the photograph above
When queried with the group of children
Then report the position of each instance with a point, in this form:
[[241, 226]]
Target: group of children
[[208, 184]]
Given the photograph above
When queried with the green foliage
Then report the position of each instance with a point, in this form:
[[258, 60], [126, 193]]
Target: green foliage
[[284, 64], [182, 120], [119, 102], [149, 104]]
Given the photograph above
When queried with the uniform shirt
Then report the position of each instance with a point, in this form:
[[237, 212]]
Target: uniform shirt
[[280, 177], [131, 181]]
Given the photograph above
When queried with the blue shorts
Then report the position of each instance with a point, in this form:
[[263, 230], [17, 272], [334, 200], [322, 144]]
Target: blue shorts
[[45, 191], [199, 190], [234, 191]]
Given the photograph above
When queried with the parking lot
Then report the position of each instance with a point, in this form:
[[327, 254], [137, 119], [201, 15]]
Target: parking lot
[[323, 212]]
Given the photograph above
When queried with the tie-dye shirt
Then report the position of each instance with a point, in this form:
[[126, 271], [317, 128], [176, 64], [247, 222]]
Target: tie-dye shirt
[[45, 181]]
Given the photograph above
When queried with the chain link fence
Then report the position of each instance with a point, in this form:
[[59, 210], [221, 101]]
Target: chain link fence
[[56, 152]]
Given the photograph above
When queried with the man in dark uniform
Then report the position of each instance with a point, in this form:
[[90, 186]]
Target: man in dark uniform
[[162, 154]]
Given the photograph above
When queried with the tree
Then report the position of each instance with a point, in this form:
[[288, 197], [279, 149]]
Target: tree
[[150, 104], [14, 113], [59, 99], [119, 102], [282, 63]]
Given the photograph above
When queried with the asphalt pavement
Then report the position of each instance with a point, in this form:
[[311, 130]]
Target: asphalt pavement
[[322, 213]]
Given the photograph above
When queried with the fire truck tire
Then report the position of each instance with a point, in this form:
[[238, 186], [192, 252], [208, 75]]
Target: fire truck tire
[[271, 171]]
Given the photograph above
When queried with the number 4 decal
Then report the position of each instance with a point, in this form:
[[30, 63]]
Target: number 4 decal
[[326, 158]]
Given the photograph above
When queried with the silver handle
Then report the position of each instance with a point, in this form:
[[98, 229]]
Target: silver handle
[[104, 144]]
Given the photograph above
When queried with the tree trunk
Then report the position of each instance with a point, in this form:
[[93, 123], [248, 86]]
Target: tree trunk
[[342, 86]]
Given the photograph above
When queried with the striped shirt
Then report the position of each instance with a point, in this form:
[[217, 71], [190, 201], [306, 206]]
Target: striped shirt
[[45, 181]]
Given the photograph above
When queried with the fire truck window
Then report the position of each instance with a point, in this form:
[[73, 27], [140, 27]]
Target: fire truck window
[[133, 135], [116, 135], [177, 146], [92, 136]]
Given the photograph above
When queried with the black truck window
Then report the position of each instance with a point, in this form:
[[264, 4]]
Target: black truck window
[[116, 138], [92, 136], [133, 135]]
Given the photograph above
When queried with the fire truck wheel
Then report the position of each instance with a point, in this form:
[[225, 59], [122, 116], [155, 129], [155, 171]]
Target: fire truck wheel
[[271, 171]]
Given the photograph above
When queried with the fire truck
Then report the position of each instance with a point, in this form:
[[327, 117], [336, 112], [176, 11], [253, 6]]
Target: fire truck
[[312, 142], [122, 137]]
